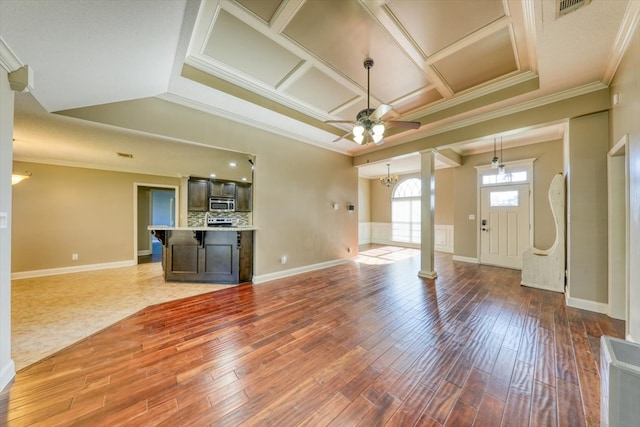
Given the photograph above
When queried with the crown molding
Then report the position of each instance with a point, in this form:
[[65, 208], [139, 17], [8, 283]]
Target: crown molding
[[623, 38], [8, 60], [522, 106]]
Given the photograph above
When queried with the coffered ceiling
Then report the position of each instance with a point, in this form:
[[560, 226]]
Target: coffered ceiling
[[308, 55], [287, 66]]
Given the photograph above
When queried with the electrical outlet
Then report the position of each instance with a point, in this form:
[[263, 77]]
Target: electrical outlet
[[74, 257], [283, 260]]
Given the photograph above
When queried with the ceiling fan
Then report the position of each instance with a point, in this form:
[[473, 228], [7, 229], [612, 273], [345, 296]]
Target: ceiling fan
[[369, 126]]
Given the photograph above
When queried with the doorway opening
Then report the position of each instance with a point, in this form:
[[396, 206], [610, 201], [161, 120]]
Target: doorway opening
[[154, 205]]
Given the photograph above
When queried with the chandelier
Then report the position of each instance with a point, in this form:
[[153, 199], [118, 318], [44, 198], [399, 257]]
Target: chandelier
[[388, 180]]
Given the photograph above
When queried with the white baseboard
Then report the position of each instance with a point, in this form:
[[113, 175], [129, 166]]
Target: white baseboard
[[298, 270], [629, 338], [74, 269], [465, 259], [7, 373], [145, 252], [583, 304]]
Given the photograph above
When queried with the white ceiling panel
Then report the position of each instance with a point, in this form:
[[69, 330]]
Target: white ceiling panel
[[429, 22], [237, 45]]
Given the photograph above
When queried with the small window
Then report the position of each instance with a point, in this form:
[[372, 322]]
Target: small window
[[496, 178], [410, 188], [504, 198]]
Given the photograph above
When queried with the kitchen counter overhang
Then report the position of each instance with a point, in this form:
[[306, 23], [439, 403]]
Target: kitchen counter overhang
[[206, 254]]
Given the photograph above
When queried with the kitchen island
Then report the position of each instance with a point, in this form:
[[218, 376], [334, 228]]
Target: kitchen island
[[206, 254]]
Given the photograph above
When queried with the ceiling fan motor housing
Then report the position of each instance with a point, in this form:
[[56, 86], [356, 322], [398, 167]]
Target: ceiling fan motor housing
[[363, 117]]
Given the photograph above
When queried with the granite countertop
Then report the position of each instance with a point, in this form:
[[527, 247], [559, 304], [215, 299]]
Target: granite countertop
[[203, 228]]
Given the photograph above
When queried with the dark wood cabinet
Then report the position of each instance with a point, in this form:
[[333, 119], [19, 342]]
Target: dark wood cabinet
[[198, 197], [208, 256], [243, 197], [201, 189], [224, 189]]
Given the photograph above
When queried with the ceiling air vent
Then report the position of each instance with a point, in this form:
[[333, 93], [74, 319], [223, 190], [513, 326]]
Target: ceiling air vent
[[565, 6]]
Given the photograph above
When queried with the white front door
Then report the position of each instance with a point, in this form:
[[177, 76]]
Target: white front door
[[504, 225]]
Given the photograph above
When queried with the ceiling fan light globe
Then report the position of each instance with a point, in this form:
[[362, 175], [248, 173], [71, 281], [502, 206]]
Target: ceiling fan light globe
[[358, 130], [377, 138], [358, 138], [378, 129]]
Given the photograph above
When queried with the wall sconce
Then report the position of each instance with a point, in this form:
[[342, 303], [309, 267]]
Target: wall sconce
[[17, 177]]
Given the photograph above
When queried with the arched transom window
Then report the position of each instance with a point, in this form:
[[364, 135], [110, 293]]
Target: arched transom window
[[405, 211]]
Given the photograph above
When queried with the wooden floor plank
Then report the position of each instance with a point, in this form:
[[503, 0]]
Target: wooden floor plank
[[353, 344]]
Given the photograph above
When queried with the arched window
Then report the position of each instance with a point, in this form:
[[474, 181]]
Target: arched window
[[405, 211]]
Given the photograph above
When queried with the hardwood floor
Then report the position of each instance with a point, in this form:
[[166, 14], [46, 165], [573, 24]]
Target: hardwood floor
[[366, 344]]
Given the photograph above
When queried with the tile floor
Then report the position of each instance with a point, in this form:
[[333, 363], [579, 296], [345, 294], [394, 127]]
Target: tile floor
[[50, 313]]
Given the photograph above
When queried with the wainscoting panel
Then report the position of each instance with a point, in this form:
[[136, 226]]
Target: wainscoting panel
[[380, 233], [443, 238], [364, 233]]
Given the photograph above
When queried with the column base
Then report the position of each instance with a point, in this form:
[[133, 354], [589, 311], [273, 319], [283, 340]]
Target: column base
[[427, 274]]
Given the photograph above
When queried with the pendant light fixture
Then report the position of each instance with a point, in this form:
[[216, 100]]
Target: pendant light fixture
[[495, 162], [501, 168], [388, 180]]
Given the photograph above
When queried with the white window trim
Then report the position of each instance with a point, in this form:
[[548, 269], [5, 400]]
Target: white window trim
[[414, 198]]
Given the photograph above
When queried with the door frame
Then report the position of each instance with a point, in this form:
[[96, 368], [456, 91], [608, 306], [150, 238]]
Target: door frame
[[483, 170], [175, 188]]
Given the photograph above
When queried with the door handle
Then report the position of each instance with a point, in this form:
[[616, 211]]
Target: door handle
[[484, 225]]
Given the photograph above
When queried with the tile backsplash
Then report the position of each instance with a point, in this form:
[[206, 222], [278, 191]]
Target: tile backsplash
[[196, 219]]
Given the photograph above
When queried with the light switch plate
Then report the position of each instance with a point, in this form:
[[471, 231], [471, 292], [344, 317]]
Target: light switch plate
[[4, 219], [472, 217]]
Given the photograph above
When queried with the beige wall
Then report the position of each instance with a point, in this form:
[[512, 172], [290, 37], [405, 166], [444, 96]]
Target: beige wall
[[548, 162], [587, 207], [64, 210], [364, 200], [295, 185], [445, 186], [625, 120]]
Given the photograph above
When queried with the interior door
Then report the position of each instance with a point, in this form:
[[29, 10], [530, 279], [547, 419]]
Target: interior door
[[504, 225]]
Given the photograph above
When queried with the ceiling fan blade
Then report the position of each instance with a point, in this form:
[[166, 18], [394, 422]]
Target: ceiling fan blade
[[401, 124], [380, 111]]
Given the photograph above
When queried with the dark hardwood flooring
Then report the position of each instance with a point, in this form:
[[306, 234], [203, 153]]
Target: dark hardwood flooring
[[356, 344], [155, 256]]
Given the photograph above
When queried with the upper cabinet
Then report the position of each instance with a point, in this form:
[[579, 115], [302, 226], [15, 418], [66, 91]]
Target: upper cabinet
[[198, 197], [222, 189], [243, 197], [200, 189]]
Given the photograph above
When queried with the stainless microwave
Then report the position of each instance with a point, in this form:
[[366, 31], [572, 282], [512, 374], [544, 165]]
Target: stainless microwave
[[222, 205]]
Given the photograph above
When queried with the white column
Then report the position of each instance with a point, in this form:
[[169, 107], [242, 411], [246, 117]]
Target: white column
[[427, 267]]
